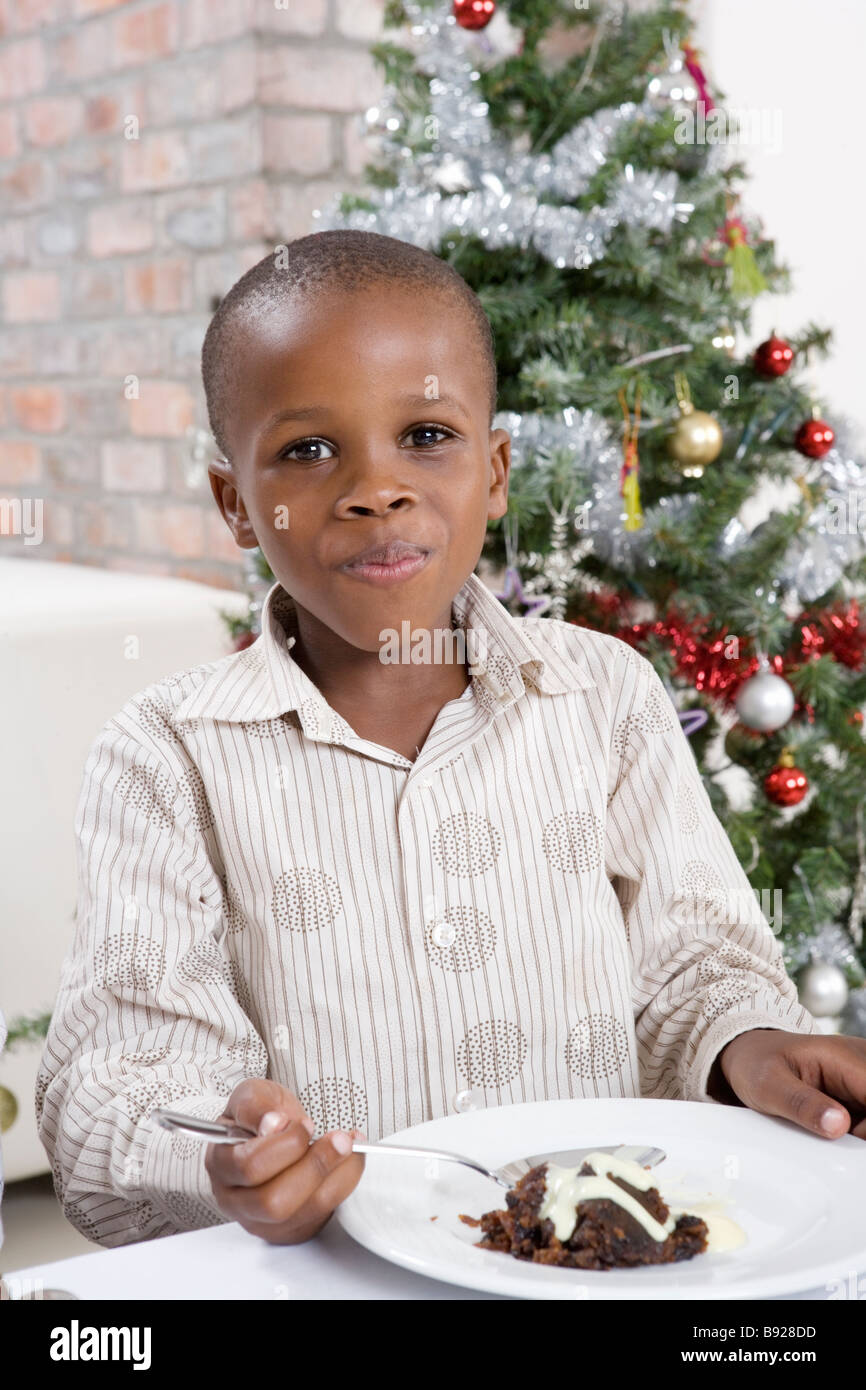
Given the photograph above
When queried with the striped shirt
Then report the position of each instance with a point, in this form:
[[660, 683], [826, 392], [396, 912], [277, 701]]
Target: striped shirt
[[543, 904]]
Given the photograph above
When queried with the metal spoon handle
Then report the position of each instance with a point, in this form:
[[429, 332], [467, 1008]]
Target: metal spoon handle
[[221, 1132], [405, 1150], [217, 1131]]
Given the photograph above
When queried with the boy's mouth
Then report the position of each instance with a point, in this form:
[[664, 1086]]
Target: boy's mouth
[[394, 560]]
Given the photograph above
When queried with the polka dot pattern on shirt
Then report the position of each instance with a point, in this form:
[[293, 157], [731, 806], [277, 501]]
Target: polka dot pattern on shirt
[[462, 939], [688, 815], [193, 792], [155, 718], [232, 911], [492, 1053], [147, 1093], [250, 1053], [334, 1102], [252, 657], [725, 961], [184, 1146], [127, 961], [466, 844], [313, 715], [190, 1212], [722, 996], [204, 961], [700, 880], [306, 899], [80, 1219], [239, 987], [597, 1046], [149, 791], [131, 1061], [269, 728], [573, 842], [657, 716]]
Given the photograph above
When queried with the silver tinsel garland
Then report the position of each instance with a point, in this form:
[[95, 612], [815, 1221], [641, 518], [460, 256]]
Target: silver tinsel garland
[[594, 458], [824, 550], [476, 182], [834, 535]]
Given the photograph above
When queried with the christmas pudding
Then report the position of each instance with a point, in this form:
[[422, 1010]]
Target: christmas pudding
[[602, 1215]]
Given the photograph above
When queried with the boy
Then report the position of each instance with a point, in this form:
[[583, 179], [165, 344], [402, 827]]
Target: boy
[[325, 893]]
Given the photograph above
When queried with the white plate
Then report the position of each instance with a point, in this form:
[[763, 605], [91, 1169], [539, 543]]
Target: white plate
[[799, 1198]]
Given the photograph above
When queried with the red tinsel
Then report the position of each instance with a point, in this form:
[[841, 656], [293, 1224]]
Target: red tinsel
[[603, 611], [699, 656], [840, 632], [699, 648], [699, 653]]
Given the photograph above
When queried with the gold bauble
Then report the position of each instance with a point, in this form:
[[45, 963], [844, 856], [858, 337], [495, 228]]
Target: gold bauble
[[696, 439], [8, 1109]]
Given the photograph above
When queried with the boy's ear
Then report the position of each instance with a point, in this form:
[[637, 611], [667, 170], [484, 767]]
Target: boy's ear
[[224, 486], [500, 467]]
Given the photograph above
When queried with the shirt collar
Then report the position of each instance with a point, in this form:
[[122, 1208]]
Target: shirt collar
[[264, 681]]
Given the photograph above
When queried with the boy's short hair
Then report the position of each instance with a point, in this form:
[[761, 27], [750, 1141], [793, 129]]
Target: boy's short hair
[[341, 259]]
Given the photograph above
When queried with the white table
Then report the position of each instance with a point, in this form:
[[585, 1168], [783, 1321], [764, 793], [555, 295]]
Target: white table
[[225, 1262]]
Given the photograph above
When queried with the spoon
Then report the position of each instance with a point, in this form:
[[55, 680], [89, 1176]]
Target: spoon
[[223, 1132]]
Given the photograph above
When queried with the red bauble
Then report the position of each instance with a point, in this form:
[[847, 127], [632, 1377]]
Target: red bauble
[[773, 358], [786, 785], [244, 640], [474, 14], [814, 438]]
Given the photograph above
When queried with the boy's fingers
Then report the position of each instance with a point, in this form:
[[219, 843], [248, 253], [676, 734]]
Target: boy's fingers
[[252, 1100], [793, 1099], [298, 1187], [258, 1159]]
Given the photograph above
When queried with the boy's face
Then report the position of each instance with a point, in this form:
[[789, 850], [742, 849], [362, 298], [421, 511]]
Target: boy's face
[[356, 421]]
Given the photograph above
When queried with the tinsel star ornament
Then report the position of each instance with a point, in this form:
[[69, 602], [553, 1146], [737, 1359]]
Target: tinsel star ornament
[[514, 592]]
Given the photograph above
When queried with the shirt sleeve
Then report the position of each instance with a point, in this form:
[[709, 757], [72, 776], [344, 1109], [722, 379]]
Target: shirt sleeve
[[706, 963], [152, 1009]]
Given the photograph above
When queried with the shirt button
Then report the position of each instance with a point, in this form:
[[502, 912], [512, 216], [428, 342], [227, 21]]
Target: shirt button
[[443, 934], [466, 1100], [427, 784]]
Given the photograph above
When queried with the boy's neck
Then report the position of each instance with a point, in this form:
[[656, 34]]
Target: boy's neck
[[392, 703]]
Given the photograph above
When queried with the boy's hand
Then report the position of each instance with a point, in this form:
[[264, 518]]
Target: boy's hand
[[800, 1077], [278, 1185]]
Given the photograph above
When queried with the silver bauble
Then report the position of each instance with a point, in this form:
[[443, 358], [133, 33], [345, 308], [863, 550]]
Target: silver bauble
[[765, 702], [823, 989], [676, 87]]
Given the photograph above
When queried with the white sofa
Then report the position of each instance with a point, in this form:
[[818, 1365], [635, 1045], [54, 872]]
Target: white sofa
[[66, 668]]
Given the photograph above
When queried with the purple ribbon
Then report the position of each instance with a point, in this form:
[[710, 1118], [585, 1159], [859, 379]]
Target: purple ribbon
[[692, 720]]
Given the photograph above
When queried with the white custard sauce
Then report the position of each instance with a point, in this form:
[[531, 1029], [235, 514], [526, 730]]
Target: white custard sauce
[[564, 1189]]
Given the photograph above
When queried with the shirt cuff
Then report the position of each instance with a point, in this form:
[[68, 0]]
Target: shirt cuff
[[166, 1185], [788, 1019]]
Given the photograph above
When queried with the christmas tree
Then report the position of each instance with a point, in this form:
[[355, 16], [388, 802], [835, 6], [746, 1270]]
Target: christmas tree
[[593, 202]]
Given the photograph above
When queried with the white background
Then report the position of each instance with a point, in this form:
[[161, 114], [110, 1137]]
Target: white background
[[806, 60]]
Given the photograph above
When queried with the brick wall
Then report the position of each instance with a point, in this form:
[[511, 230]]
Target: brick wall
[[149, 153]]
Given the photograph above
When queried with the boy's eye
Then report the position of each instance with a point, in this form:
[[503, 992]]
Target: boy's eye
[[428, 430], [297, 450], [310, 450]]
